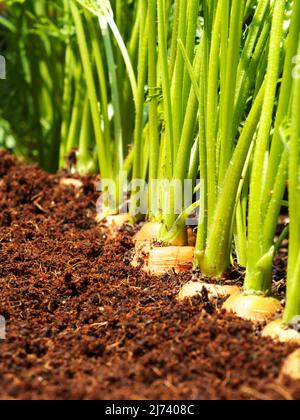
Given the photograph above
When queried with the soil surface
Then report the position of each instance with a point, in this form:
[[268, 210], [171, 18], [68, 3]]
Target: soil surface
[[83, 324]]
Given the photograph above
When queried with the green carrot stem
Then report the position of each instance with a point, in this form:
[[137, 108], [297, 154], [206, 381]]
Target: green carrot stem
[[284, 97], [181, 168], [227, 102], [166, 85], [273, 212], [215, 260], [202, 226], [153, 106], [256, 279], [292, 309], [174, 39], [84, 154], [72, 139], [118, 138], [246, 78], [212, 112], [139, 115], [103, 155], [241, 236], [97, 55], [66, 105], [192, 21], [176, 87]]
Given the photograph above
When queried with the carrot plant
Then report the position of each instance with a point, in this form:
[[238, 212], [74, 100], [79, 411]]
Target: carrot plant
[[265, 201], [292, 310], [286, 329], [101, 48], [171, 96], [269, 171], [230, 110]]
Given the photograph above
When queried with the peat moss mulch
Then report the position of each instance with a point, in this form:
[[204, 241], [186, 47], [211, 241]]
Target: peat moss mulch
[[83, 324]]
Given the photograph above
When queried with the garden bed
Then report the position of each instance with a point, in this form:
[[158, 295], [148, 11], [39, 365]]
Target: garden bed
[[83, 324]]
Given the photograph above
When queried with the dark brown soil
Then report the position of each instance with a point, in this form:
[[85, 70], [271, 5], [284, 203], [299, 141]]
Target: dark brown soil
[[83, 324]]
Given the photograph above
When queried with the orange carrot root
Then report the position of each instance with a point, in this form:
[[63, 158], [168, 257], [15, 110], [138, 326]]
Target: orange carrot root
[[253, 308], [278, 331], [291, 367], [148, 233], [192, 289], [163, 260]]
